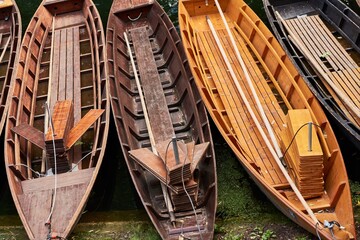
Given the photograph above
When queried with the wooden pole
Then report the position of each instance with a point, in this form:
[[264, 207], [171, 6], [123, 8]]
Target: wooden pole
[[5, 47], [267, 142], [251, 85], [147, 122], [317, 67], [46, 123]]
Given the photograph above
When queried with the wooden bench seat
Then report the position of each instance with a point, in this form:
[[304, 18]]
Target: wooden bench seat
[[159, 116]]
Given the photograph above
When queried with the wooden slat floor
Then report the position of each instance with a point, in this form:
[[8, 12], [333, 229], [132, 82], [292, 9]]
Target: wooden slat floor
[[231, 106]]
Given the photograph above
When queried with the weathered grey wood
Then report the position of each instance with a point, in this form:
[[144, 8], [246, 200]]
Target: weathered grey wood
[[160, 120]]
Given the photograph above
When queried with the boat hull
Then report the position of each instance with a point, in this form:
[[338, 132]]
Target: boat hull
[[61, 68], [183, 104], [346, 24], [225, 90]]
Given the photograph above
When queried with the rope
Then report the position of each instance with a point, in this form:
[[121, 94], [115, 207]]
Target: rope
[[24, 165], [191, 202], [293, 138], [186, 192], [81, 160]]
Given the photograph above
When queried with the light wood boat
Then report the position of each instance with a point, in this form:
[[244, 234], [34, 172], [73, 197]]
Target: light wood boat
[[179, 194], [58, 117], [259, 103], [10, 40], [328, 31]]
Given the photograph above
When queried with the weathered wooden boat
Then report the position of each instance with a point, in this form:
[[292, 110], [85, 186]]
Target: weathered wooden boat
[[161, 121], [328, 31], [58, 117], [267, 114], [10, 40]]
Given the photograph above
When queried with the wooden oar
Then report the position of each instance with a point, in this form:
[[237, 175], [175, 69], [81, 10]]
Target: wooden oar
[[317, 67], [248, 79], [267, 142], [147, 122]]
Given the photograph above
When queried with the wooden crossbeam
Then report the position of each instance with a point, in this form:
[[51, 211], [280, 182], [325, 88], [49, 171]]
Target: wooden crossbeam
[[83, 125], [31, 134]]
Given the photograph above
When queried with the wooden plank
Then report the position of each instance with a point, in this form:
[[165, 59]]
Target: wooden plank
[[239, 117], [62, 66], [6, 3], [64, 180], [82, 126], [69, 64], [159, 116], [31, 134], [77, 78], [153, 163], [341, 53], [198, 155], [62, 118], [296, 28]]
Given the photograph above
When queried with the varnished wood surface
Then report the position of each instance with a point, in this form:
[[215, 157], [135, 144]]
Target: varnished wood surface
[[61, 67], [174, 107], [280, 89]]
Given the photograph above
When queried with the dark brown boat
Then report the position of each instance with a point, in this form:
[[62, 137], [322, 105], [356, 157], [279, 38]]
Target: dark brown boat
[[328, 31], [161, 121], [58, 117], [10, 40]]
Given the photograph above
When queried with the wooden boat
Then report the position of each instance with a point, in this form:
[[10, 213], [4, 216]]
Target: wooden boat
[[164, 119], [263, 108], [329, 50], [10, 40], [58, 117]]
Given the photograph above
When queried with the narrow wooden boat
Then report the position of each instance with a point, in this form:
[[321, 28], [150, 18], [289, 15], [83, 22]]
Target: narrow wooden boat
[[58, 117], [263, 108], [10, 40], [329, 32], [159, 115]]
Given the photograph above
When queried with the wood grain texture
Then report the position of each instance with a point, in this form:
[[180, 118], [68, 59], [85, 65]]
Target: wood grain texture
[[281, 90]]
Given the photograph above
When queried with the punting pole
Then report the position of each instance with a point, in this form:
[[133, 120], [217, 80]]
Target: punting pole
[[46, 124], [267, 142], [5, 47], [151, 136], [251, 85], [317, 67]]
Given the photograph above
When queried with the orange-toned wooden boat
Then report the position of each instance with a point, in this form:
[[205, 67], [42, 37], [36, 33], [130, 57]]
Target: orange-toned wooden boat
[[58, 117], [10, 40], [260, 103], [157, 109]]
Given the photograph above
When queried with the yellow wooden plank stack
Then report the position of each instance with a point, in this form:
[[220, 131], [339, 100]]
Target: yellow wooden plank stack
[[305, 166], [6, 3]]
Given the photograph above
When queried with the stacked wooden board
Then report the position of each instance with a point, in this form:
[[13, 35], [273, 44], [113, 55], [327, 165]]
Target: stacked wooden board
[[305, 162], [62, 122]]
